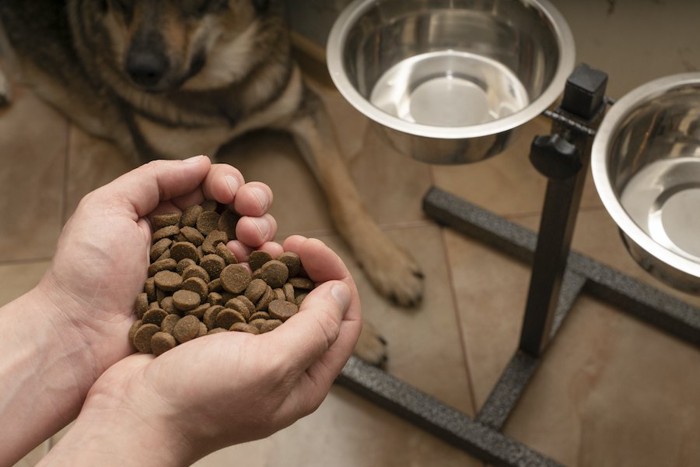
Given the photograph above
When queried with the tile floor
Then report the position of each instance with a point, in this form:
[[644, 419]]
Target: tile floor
[[611, 391]]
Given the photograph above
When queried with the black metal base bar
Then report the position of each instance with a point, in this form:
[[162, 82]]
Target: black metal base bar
[[443, 421], [481, 437], [630, 295]]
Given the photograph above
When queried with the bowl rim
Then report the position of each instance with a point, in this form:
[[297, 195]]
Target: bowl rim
[[601, 179], [353, 11]]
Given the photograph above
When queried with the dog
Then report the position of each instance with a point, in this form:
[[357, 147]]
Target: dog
[[173, 78]]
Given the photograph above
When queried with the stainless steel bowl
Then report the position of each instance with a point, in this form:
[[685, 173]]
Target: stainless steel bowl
[[646, 168], [449, 80]]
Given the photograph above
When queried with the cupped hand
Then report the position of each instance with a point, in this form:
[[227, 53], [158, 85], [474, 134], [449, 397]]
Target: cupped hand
[[102, 256], [226, 388]]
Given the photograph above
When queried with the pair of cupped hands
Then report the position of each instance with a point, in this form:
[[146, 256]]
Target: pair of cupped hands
[[201, 396]]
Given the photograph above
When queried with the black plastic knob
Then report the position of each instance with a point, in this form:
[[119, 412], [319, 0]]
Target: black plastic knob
[[554, 157]]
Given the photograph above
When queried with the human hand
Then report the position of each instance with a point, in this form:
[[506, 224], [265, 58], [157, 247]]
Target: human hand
[[225, 388], [102, 255]]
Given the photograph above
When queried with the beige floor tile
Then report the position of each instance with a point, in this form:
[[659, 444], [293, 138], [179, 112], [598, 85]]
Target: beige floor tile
[[612, 391], [490, 290], [18, 278], [33, 142], [507, 184], [92, 162], [424, 344], [345, 431]]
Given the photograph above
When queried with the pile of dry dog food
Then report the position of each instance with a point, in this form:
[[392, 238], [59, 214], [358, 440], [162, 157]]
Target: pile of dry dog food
[[196, 285]]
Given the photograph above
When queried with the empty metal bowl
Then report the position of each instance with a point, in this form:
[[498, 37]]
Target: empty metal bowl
[[449, 80], [646, 167]]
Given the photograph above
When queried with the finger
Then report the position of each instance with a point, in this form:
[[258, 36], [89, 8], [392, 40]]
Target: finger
[[320, 262], [253, 199], [255, 231], [145, 187], [222, 183], [308, 335]]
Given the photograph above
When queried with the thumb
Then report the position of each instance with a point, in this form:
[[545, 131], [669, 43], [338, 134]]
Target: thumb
[[307, 336]]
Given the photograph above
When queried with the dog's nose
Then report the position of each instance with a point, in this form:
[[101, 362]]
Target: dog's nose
[[146, 68]]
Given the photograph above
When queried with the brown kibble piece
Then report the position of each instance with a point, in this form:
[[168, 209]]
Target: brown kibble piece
[[215, 285], [214, 238], [248, 304], [209, 318], [265, 300], [282, 309], [168, 305], [303, 283], [161, 342], [207, 221], [274, 273], [195, 284], [216, 331], [270, 325], [228, 222], [142, 337], [292, 261], [167, 264], [259, 315], [195, 270], [227, 255], [165, 219], [258, 258], [209, 205], [235, 278], [199, 311], [168, 281], [215, 298], [213, 264], [150, 288], [186, 300], [159, 247], [190, 215], [255, 290], [192, 235], [186, 329], [154, 316], [141, 304], [226, 317], [245, 327], [182, 250], [184, 264], [169, 323], [165, 232], [239, 306], [289, 292], [202, 329]]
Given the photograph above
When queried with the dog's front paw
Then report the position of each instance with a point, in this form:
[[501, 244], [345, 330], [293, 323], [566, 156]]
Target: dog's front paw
[[371, 346], [392, 271]]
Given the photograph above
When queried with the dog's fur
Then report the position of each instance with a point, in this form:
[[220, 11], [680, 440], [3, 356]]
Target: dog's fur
[[173, 78]]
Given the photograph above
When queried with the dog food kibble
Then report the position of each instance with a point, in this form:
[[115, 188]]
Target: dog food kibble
[[196, 285]]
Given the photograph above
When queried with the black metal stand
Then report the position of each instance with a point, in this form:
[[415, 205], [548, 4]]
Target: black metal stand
[[558, 277]]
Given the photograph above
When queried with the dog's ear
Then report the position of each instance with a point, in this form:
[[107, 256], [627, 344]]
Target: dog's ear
[[261, 5]]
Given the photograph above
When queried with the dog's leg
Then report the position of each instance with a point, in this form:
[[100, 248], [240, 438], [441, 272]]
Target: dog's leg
[[392, 270], [4, 90]]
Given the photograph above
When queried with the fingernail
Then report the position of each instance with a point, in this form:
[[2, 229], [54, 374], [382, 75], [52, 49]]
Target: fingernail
[[341, 294], [232, 184], [193, 159]]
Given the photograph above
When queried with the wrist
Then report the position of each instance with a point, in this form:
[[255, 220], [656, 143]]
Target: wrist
[[121, 428], [45, 370]]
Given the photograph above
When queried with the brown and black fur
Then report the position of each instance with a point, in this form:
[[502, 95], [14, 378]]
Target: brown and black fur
[[173, 78]]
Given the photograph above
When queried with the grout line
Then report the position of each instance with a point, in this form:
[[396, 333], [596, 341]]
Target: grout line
[[453, 293]]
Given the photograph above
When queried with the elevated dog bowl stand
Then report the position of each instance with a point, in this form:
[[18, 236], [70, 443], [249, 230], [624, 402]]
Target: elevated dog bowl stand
[[558, 277]]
